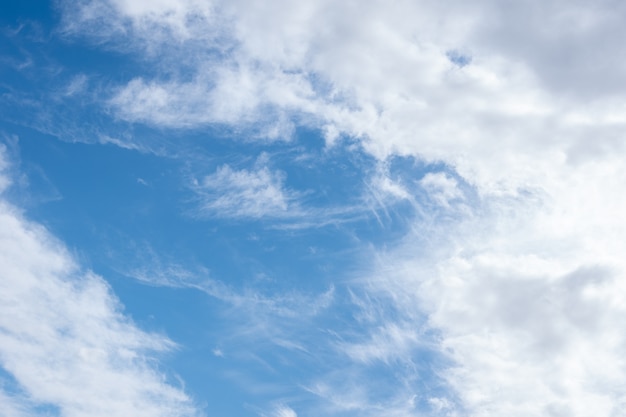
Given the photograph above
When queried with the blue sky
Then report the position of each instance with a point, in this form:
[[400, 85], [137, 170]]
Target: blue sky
[[284, 209]]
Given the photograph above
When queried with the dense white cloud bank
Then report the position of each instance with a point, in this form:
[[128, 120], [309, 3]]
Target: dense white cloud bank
[[523, 101], [63, 338], [532, 320], [535, 89]]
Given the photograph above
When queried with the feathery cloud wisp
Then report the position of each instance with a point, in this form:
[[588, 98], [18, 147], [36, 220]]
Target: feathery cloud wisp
[[245, 194]]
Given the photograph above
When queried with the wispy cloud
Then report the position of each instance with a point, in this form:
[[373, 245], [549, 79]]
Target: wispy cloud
[[387, 343], [261, 193], [248, 301], [442, 188], [64, 339], [284, 411], [255, 194]]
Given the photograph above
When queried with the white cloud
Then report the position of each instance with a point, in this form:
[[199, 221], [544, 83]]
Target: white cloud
[[284, 411], [63, 338], [248, 302], [387, 343], [77, 85], [244, 193], [384, 192], [386, 76], [442, 188], [527, 302], [403, 100], [527, 290], [261, 193]]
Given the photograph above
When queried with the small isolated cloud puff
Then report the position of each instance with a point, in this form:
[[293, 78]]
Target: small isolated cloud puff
[[251, 194], [77, 85]]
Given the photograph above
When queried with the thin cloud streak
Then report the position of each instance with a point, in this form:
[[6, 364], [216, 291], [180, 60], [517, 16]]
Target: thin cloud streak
[[246, 301]]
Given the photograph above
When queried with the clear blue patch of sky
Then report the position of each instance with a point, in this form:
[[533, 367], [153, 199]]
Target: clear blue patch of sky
[[458, 58]]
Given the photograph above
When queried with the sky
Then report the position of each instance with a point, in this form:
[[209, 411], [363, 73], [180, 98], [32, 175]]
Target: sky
[[247, 208]]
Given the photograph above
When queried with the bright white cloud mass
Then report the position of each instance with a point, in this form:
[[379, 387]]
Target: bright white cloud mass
[[272, 208]]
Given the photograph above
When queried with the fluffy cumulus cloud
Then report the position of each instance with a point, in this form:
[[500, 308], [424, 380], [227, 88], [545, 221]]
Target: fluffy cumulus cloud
[[65, 346], [523, 102]]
